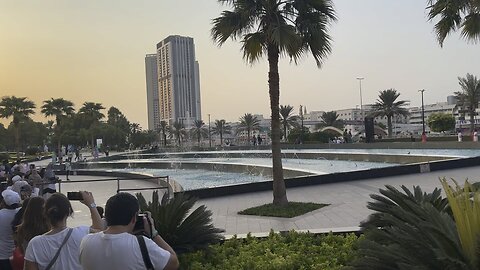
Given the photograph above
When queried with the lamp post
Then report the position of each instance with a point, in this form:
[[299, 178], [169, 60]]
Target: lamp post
[[361, 100], [423, 112], [209, 134], [301, 118]]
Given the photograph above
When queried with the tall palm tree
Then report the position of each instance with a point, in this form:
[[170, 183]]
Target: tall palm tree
[[92, 111], [249, 123], [178, 132], [199, 130], [330, 119], [387, 105], [273, 28], [469, 97], [164, 130], [454, 15], [221, 127], [59, 108], [19, 109], [287, 119]]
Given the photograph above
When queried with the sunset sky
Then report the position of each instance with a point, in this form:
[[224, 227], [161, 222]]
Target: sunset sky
[[94, 51]]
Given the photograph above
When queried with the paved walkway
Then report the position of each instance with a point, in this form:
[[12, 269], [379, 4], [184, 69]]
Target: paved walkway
[[347, 201]]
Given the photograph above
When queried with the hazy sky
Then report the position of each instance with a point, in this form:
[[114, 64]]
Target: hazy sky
[[94, 51]]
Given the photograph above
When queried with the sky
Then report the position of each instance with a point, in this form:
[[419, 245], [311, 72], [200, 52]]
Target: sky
[[94, 50]]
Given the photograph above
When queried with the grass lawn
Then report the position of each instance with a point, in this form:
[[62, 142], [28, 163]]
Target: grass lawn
[[293, 209]]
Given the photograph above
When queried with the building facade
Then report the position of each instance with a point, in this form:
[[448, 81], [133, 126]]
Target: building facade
[[151, 74], [178, 81]]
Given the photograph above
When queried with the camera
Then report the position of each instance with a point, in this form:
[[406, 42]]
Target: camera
[[74, 196]]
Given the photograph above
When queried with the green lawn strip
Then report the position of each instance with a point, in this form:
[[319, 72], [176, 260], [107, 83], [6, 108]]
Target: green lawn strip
[[293, 209]]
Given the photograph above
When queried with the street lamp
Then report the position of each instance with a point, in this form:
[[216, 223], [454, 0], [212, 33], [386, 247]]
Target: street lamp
[[209, 134], [301, 118], [423, 112], [361, 101]]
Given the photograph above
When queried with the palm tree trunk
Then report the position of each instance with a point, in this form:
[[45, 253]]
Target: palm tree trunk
[[284, 132], [221, 138], [17, 140], [248, 137], [472, 121], [199, 140], [279, 190], [389, 124]]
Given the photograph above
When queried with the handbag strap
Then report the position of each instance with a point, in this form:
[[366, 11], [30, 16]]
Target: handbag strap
[[145, 256], [60, 248]]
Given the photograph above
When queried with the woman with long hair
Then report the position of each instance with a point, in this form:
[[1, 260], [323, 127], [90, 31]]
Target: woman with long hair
[[33, 223], [59, 247]]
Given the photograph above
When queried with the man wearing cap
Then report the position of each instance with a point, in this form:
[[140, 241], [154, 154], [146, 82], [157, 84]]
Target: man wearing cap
[[10, 204]]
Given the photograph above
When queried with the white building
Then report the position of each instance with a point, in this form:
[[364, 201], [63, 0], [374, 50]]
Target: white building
[[178, 80], [151, 74]]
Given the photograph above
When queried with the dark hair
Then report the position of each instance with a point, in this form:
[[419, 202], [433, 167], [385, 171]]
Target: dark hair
[[33, 222], [120, 209], [57, 207], [19, 215]]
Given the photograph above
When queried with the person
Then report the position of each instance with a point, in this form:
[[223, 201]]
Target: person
[[475, 136], [50, 179], [459, 136], [68, 168], [118, 248], [424, 137], [11, 203], [41, 250], [259, 139], [33, 223]]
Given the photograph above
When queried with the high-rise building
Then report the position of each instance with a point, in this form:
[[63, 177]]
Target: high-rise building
[[178, 80], [153, 108]]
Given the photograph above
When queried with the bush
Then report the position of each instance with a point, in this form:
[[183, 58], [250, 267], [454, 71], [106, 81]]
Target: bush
[[290, 251], [184, 228]]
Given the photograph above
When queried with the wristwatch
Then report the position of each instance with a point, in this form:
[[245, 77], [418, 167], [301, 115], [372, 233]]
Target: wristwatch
[[92, 205]]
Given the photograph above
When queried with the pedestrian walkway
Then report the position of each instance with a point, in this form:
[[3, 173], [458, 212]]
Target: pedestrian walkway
[[348, 203]]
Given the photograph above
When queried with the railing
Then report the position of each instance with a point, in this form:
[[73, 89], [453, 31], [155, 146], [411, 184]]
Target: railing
[[166, 178]]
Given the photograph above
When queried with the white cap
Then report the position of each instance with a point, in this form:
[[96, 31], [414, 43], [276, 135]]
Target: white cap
[[10, 197]]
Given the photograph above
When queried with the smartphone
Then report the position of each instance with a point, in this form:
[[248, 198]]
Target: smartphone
[[74, 196], [139, 224]]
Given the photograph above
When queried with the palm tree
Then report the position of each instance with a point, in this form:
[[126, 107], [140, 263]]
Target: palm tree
[[454, 15], [273, 28], [221, 127], [249, 123], [59, 108], [164, 130], [177, 131], [387, 105], [469, 97], [199, 130], [287, 119], [330, 119], [91, 111], [19, 109]]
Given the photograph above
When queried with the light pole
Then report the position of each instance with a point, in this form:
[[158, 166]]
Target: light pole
[[361, 100], [301, 118], [209, 134], [423, 112]]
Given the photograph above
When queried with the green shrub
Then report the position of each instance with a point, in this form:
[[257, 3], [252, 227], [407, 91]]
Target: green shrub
[[33, 150], [290, 251]]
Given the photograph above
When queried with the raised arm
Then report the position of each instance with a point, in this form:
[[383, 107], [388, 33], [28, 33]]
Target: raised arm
[[88, 200]]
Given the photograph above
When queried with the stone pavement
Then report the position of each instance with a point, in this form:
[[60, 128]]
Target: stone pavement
[[347, 201]]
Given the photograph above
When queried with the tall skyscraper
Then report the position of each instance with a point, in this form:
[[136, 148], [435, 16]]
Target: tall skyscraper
[[178, 80], [153, 107]]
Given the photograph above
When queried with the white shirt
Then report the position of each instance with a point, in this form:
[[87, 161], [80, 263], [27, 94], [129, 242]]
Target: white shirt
[[119, 251], [6, 233], [42, 248]]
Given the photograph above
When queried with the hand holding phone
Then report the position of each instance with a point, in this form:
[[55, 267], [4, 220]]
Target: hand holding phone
[[75, 196]]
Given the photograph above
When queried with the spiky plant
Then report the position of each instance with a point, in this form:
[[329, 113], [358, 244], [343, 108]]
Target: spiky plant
[[180, 226], [411, 230]]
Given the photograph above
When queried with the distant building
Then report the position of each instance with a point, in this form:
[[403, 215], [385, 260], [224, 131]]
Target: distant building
[[448, 107], [178, 80], [153, 108]]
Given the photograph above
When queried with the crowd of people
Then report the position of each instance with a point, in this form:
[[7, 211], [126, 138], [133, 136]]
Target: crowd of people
[[34, 234]]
